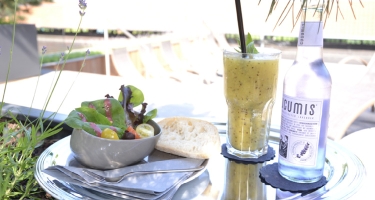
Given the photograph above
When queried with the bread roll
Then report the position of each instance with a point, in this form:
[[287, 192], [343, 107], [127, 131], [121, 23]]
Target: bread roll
[[187, 137]]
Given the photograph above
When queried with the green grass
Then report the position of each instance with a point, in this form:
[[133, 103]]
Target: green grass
[[56, 57]]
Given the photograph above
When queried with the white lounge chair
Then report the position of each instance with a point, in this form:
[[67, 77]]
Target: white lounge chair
[[153, 67], [348, 104], [198, 53], [358, 59], [123, 65]]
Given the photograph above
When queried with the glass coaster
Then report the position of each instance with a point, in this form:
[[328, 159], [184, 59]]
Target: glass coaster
[[269, 175], [269, 156]]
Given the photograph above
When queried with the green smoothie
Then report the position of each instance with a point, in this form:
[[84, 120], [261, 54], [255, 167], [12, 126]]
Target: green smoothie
[[243, 182], [250, 90]]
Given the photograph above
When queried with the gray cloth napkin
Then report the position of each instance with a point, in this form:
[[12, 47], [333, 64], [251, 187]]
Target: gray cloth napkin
[[145, 186], [98, 192]]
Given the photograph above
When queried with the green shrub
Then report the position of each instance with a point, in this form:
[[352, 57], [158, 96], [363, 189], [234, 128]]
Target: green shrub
[[56, 57]]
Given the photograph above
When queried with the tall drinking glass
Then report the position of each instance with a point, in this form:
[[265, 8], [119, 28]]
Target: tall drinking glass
[[243, 182], [250, 82]]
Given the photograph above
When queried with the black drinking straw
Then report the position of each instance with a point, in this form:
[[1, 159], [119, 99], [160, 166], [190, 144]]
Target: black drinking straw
[[240, 26]]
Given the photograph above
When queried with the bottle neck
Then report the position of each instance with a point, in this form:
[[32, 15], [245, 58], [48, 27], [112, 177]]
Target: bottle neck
[[310, 42], [310, 39], [309, 54]]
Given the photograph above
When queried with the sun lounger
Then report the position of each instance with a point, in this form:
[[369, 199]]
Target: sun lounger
[[349, 103], [152, 65], [123, 65], [198, 54], [358, 59], [176, 65], [222, 41], [171, 59]]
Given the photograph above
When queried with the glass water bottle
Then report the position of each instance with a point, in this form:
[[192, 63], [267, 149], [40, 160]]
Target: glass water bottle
[[305, 104]]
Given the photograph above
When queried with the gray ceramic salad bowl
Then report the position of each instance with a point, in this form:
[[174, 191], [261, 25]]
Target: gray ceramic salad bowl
[[99, 153]]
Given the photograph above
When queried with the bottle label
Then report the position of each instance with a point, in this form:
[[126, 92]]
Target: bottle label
[[311, 34], [300, 130]]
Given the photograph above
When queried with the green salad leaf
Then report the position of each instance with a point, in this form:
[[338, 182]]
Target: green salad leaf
[[110, 108], [77, 120], [137, 96], [95, 116], [92, 115], [150, 115]]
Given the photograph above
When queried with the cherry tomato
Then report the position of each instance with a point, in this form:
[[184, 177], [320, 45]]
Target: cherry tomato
[[109, 134], [145, 130]]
